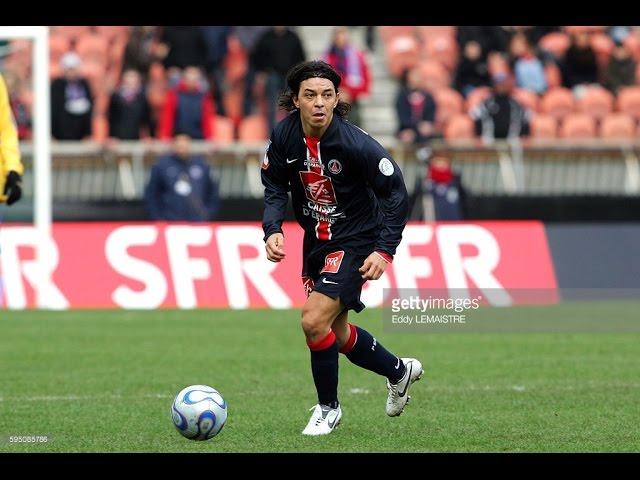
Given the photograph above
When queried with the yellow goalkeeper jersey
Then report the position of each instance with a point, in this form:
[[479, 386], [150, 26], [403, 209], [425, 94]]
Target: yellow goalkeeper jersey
[[9, 151]]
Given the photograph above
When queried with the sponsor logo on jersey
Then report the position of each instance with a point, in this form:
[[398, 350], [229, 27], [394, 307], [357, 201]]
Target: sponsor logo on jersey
[[332, 262], [318, 188]]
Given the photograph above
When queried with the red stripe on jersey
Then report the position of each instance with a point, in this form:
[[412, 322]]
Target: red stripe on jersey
[[323, 228]]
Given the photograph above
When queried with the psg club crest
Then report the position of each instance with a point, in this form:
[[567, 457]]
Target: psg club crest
[[335, 166]]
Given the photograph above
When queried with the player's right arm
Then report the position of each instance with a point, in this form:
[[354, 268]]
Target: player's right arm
[[276, 186]]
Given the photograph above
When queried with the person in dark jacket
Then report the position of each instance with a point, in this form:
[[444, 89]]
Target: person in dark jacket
[[139, 52], [181, 187], [443, 196], [621, 70], [416, 110], [500, 116], [71, 102], [472, 70], [277, 50], [580, 66], [180, 47], [188, 108], [129, 111], [216, 38]]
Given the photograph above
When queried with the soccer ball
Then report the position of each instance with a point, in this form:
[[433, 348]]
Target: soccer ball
[[199, 412]]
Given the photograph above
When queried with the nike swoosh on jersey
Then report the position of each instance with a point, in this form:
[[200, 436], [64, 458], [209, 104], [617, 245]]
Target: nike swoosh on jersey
[[292, 160]]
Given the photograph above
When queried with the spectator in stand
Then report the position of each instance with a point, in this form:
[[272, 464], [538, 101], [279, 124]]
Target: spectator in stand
[[277, 50], [181, 187], [139, 50], [248, 37], [129, 110], [351, 64], [472, 70], [216, 38], [621, 70], [19, 106], [416, 110], [580, 66], [500, 116], [181, 47], [480, 34], [188, 108], [71, 102], [527, 68]]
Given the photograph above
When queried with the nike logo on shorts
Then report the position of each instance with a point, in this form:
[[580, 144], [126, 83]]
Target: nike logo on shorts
[[324, 280]]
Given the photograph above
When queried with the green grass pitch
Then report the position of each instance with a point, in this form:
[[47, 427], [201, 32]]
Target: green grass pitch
[[103, 381]]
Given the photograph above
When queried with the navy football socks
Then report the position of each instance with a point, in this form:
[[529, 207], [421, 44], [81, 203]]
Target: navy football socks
[[365, 351], [324, 367]]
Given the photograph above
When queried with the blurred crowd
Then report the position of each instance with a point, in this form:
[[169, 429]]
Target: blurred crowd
[[498, 82], [209, 82]]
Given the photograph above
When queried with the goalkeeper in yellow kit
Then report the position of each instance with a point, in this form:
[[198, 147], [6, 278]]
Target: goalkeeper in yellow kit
[[11, 168]]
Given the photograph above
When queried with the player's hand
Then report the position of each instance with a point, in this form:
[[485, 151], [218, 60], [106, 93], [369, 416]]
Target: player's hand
[[13, 187], [373, 267], [275, 247]]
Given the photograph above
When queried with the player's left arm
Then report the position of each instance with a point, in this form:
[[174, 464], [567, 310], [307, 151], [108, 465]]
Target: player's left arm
[[385, 178], [10, 162]]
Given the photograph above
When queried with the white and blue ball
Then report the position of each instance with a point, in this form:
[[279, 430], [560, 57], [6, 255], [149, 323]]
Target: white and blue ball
[[199, 412]]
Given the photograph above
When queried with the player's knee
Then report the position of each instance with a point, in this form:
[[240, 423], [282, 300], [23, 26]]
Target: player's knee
[[313, 323]]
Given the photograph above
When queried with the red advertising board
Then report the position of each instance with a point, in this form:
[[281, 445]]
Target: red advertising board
[[223, 265]]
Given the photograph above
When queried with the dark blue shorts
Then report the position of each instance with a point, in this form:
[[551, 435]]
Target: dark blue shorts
[[331, 267]]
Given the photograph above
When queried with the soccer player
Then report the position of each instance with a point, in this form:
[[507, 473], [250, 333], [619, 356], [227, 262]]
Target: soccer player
[[349, 197], [11, 168]]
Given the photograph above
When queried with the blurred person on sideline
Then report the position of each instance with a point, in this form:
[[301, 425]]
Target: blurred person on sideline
[[11, 168], [181, 186], [350, 62], [188, 108], [415, 108], [500, 116], [71, 102], [443, 196], [129, 110], [579, 66]]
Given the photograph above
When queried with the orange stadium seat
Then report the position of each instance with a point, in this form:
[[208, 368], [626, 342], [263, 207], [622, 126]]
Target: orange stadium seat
[[434, 75], [253, 129], [477, 96], [449, 102], [596, 101], [556, 43], [557, 102], [73, 32], [552, 75], [223, 131], [402, 54], [628, 101], [443, 48], [544, 126], [112, 33], [602, 46], [617, 125], [388, 33], [58, 46], [577, 126], [459, 127], [93, 47], [526, 98], [573, 29], [428, 31]]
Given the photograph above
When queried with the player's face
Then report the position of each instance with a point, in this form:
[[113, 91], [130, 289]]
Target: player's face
[[316, 100]]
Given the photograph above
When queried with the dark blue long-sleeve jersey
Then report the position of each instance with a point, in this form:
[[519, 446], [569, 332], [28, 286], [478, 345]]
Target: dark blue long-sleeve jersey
[[342, 184]]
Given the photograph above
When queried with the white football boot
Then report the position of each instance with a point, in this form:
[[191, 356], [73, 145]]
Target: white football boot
[[398, 393], [323, 420]]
